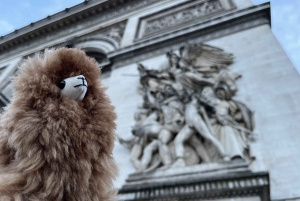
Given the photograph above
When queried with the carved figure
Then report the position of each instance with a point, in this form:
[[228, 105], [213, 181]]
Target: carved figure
[[190, 115], [232, 134], [171, 123], [195, 124]]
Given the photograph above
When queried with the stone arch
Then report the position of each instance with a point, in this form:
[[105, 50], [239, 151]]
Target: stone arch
[[102, 44], [98, 48]]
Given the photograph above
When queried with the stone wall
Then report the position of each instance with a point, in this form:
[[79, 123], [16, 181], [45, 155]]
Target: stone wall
[[269, 86]]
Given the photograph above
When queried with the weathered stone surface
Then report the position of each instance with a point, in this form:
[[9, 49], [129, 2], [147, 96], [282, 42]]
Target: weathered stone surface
[[270, 86], [189, 114], [200, 182], [181, 16]]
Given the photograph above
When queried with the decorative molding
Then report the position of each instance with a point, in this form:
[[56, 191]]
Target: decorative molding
[[96, 44], [112, 34], [182, 15], [234, 185], [220, 26], [66, 22], [116, 32]]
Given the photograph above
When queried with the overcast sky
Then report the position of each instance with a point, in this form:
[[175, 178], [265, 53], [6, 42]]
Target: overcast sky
[[285, 19]]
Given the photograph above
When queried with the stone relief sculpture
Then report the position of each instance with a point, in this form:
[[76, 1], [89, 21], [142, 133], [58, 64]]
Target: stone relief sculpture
[[193, 12], [189, 114]]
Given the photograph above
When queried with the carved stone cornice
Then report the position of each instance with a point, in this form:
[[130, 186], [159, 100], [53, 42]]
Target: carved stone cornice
[[201, 186], [218, 26], [72, 19]]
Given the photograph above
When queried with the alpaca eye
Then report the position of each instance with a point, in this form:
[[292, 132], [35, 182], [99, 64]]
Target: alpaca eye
[[62, 84]]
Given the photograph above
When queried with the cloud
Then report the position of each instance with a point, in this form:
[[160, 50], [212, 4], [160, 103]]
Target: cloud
[[6, 27]]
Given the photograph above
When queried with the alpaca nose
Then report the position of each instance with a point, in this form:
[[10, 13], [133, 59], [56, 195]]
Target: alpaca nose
[[83, 81]]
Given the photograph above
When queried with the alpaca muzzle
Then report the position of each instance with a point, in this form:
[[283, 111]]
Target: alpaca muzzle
[[74, 87]]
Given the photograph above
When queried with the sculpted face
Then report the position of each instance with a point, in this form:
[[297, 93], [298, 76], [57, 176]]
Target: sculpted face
[[74, 87], [221, 94]]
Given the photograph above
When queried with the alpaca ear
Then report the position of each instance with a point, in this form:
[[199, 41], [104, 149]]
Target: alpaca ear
[[73, 87]]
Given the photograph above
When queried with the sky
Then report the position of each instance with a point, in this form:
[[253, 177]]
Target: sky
[[16, 14], [285, 26]]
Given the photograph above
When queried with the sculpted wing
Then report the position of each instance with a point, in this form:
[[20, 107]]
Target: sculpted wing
[[205, 58]]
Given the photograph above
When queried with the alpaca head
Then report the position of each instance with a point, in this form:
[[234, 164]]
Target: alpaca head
[[73, 87]]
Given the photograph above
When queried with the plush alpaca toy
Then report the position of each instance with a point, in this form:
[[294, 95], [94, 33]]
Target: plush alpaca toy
[[57, 135]]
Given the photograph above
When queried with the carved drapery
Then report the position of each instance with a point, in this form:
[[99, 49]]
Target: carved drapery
[[189, 114]]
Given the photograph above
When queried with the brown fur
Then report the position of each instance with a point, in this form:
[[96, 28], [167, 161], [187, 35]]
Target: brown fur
[[54, 148]]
